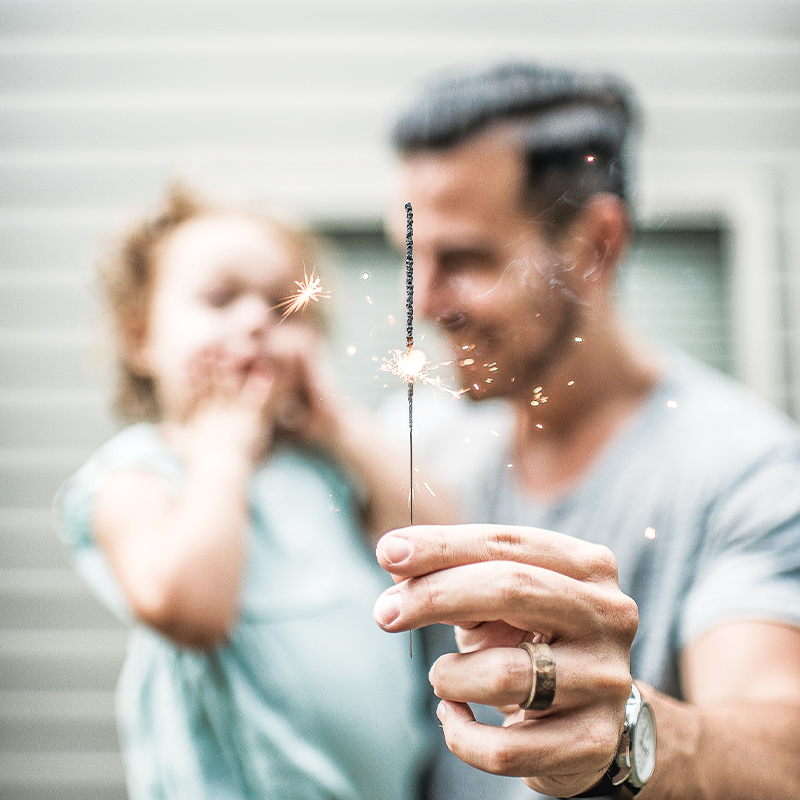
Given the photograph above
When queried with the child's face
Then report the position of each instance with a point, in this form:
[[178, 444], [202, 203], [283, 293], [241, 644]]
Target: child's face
[[219, 280]]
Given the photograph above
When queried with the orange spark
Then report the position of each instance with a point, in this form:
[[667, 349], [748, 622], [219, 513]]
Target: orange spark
[[307, 290]]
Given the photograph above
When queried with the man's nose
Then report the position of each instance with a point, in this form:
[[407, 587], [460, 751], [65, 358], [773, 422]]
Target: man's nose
[[428, 293], [436, 295]]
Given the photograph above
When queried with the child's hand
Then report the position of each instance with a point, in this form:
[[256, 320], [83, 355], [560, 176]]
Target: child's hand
[[304, 409], [228, 407]]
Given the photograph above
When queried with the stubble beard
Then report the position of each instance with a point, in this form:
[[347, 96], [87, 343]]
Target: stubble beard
[[516, 382]]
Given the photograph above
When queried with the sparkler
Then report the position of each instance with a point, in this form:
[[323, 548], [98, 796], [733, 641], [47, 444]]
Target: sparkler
[[307, 290], [410, 360], [411, 365]]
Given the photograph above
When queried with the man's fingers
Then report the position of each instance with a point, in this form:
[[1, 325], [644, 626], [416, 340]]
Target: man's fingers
[[556, 752], [526, 597], [418, 550], [503, 676]]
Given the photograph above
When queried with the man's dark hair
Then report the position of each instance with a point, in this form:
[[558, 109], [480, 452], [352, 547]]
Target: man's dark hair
[[575, 127]]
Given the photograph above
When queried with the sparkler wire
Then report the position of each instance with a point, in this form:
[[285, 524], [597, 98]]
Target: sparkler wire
[[409, 347]]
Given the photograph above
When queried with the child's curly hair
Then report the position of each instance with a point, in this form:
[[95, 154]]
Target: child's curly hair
[[127, 276]]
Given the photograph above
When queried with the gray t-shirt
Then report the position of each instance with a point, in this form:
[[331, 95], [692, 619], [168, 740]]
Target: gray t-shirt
[[698, 498]]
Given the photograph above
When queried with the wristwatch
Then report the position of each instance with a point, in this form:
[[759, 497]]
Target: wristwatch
[[635, 761]]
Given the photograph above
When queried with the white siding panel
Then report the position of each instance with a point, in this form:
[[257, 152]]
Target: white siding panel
[[725, 18], [55, 241], [288, 103], [64, 66]]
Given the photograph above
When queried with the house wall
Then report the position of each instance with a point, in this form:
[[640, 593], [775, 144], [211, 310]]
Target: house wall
[[288, 103]]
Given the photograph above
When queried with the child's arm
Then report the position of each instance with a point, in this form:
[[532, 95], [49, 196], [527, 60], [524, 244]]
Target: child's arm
[[179, 559], [383, 471]]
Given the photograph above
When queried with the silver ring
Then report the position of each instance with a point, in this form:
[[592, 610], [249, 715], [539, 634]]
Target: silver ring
[[543, 686]]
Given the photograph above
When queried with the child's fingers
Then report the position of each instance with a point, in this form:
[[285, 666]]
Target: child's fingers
[[258, 387]]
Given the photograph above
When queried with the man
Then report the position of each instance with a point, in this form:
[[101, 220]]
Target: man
[[676, 493]]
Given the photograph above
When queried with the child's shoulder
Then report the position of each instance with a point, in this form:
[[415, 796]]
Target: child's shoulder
[[138, 446], [133, 441]]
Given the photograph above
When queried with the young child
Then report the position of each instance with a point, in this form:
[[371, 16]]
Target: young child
[[225, 526]]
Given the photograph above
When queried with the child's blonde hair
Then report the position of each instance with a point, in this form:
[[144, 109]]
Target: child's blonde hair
[[127, 278]]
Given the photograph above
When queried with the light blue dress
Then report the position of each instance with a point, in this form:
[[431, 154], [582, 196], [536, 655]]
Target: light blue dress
[[309, 698]]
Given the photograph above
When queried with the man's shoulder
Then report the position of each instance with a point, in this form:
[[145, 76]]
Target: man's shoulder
[[712, 405], [704, 429]]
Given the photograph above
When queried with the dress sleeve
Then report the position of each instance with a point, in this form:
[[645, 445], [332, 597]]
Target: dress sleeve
[[137, 447]]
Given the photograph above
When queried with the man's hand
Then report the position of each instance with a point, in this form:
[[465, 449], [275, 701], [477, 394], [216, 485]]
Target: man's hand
[[502, 585]]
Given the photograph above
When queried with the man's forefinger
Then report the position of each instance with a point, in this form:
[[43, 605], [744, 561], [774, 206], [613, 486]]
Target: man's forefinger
[[526, 597], [422, 549]]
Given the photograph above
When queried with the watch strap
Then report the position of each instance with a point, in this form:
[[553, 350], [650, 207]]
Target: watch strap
[[605, 788]]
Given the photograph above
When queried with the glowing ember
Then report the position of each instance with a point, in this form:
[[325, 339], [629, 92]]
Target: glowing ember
[[650, 533], [307, 290], [538, 397], [412, 367], [672, 404], [413, 363]]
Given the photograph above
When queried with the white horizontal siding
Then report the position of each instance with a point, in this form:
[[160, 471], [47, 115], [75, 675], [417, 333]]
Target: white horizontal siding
[[288, 103], [723, 18]]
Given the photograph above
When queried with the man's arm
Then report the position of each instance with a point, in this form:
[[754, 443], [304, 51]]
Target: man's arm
[[737, 738], [738, 735]]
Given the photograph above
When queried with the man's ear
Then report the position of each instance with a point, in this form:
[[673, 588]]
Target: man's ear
[[602, 233]]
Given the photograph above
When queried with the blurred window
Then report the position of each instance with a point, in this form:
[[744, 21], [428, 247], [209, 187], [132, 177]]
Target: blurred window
[[674, 287]]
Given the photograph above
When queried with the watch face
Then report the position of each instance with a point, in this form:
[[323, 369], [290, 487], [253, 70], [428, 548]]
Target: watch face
[[643, 745]]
